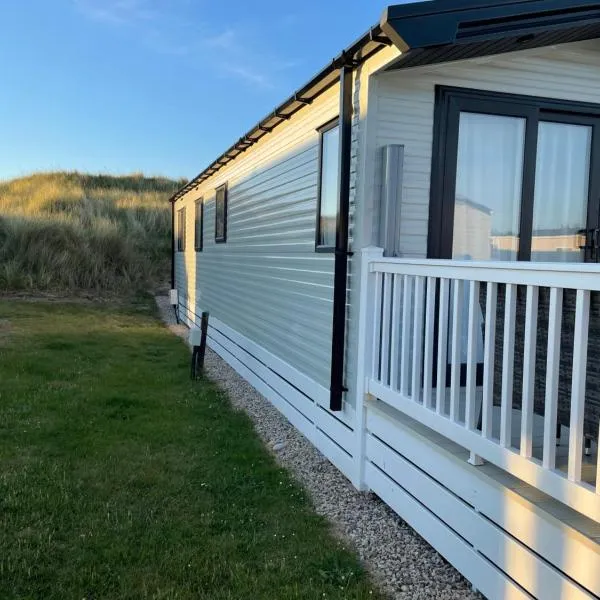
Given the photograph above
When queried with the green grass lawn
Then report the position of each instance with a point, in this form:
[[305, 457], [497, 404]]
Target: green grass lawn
[[121, 478]]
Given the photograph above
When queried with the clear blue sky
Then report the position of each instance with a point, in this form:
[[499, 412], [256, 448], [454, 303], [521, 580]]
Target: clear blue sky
[[159, 86]]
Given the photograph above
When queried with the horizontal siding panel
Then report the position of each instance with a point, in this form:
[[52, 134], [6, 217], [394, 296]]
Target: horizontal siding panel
[[267, 282]]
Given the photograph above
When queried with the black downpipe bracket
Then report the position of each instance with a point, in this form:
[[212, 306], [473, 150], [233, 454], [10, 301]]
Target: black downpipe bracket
[[338, 338]]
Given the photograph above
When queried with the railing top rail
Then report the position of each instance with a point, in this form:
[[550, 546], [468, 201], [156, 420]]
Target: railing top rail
[[562, 275]]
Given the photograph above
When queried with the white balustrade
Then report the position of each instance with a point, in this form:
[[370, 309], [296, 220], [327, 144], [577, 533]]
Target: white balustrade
[[435, 357]]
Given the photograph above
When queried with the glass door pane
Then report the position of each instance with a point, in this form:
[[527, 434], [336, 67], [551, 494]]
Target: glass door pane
[[561, 192], [489, 179]]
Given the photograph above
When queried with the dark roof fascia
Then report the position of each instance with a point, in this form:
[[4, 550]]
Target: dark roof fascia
[[362, 49], [448, 22]]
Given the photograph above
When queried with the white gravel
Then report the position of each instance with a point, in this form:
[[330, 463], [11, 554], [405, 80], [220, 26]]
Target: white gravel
[[403, 564]]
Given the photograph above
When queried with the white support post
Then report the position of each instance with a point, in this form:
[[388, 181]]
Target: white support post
[[455, 360], [367, 319], [406, 335], [580, 352], [442, 346], [428, 367], [508, 357], [552, 375], [489, 351], [531, 319], [417, 338]]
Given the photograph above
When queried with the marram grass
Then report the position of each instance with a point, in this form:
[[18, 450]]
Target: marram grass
[[70, 232]]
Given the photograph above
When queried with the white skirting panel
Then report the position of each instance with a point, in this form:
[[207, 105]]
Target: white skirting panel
[[302, 400], [506, 546]]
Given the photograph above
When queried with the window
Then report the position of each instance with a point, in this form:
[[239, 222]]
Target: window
[[328, 187], [181, 230], [199, 225], [516, 177], [221, 215]]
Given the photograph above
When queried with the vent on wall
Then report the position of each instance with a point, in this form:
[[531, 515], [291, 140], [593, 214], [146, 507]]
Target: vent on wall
[[392, 167]]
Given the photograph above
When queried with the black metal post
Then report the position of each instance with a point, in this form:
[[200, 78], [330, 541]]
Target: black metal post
[[203, 331], [338, 338], [199, 352]]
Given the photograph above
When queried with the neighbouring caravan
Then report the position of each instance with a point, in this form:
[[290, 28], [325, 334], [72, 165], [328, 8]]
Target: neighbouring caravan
[[402, 257]]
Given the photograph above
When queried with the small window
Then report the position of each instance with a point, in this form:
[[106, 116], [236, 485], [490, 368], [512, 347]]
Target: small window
[[199, 226], [181, 230], [221, 215], [328, 187]]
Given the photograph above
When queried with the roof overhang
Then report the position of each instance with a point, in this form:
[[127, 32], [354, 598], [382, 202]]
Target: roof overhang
[[433, 32]]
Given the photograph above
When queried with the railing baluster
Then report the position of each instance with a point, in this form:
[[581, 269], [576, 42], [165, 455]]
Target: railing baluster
[[552, 373], [531, 318], [508, 357], [377, 327], [385, 327], [580, 350], [455, 355], [396, 306], [442, 345], [489, 351], [417, 338], [471, 392], [429, 337], [406, 331]]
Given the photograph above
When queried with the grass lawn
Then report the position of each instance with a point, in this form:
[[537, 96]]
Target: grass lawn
[[121, 478]]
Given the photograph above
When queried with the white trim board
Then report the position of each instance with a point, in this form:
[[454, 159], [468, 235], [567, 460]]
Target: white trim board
[[536, 547], [332, 436]]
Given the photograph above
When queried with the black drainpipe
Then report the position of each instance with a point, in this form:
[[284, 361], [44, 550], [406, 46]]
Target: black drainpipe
[[338, 338], [172, 244]]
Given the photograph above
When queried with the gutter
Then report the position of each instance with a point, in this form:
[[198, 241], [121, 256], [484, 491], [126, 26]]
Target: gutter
[[362, 49]]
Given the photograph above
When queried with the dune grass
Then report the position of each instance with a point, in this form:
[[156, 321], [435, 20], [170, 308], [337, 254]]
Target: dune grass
[[123, 479], [70, 232]]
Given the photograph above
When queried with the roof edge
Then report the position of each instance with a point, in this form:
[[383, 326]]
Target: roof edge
[[359, 51]]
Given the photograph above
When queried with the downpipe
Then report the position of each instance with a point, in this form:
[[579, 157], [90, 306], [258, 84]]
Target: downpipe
[[338, 337]]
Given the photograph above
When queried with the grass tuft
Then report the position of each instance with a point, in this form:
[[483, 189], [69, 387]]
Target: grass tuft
[[70, 232]]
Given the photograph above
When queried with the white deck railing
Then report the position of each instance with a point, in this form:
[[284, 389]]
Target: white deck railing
[[432, 352]]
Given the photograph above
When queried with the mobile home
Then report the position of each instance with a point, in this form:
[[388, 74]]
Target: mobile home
[[402, 258]]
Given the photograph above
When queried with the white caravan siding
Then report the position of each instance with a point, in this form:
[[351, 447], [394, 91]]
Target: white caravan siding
[[266, 282], [405, 107]]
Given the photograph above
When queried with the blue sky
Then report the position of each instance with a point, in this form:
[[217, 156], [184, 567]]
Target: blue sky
[[159, 86]]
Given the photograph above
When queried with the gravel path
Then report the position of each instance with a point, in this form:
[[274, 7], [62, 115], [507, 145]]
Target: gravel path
[[401, 562]]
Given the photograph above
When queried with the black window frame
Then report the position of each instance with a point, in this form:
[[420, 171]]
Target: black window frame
[[332, 124], [181, 229], [221, 239], [199, 225], [449, 103]]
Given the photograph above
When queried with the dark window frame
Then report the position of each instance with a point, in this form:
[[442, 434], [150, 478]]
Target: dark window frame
[[181, 229], [331, 124], [449, 103], [199, 226], [221, 239]]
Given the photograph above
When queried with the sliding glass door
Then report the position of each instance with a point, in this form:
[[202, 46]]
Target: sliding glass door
[[518, 178], [515, 179]]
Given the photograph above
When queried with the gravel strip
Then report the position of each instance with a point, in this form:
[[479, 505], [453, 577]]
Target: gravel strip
[[402, 563]]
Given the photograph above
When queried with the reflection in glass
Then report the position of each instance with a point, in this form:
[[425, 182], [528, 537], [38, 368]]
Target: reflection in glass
[[489, 178], [561, 192], [329, 187]]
